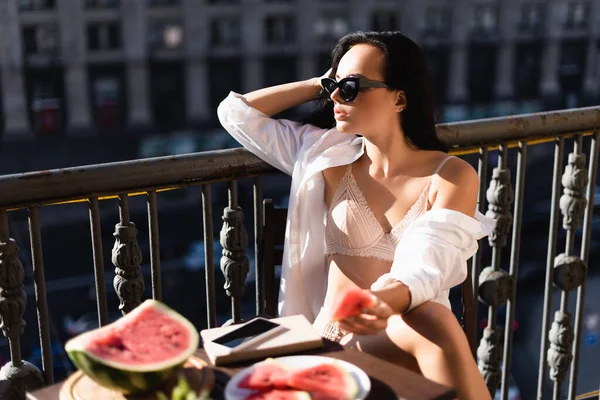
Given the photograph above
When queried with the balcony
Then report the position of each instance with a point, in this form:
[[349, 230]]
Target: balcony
[[499, 147]]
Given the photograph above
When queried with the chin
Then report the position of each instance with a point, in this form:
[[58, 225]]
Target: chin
[[343, 127]]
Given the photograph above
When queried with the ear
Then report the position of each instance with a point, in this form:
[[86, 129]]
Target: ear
[[400, 101]]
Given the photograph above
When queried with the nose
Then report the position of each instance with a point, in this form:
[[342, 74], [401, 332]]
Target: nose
[[336, 96]]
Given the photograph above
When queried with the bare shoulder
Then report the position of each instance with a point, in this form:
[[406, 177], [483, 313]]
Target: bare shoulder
[[458, 172], [456, 187], [334, 174]]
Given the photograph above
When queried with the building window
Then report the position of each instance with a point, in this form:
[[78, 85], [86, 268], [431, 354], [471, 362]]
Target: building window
[[438, 59], [384, 21], [224, 75], [577, 15], [437, 20], [31, 5], [331, 27], [225, 31], [485, 19], [101, 3], [482, 72], [280, 29], [532, 18], [153, 3], [165, 34], [223, 1], [40, 40], [103, 36], [528, 70], [107, 100]]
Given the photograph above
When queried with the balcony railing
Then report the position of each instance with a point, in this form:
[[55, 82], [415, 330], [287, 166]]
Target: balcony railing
[[572, 194]]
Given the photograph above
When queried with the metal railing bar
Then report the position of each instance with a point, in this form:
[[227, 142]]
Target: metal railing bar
[[98, 256], [37, 260], [233, 194], [513, 144], [585, 248], [514, 269], [476, 261], [569, 248], [135, 176], [211, 310], [556, 192], [142, 175], [154, 246], [36, 195], [124, 209], [13, 343], [236, 309], [501, 129], [259, 273]]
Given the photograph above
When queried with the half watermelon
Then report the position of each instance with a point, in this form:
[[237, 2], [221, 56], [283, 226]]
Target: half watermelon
[[137, 352]]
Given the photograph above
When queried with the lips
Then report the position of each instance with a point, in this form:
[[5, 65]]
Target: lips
[[339, 114]]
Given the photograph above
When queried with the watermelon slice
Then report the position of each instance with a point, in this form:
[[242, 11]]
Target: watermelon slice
[[325, 381], [276, 394], [137, 352], [351, 303], [268, 374]]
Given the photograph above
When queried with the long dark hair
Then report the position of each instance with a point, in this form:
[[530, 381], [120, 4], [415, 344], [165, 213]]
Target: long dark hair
[[404, 68]]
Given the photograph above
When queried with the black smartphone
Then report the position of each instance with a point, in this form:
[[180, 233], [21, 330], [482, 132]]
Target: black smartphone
[[249, 333]]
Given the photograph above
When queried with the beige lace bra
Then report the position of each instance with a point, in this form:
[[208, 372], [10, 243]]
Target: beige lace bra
[[352, 228]]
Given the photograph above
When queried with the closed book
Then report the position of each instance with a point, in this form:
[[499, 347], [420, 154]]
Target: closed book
[[299, 335]]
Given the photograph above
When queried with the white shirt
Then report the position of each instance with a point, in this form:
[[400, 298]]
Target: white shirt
[[431, 256]]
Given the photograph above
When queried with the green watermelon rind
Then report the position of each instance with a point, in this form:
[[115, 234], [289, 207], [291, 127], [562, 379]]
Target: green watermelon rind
[[128, 378]]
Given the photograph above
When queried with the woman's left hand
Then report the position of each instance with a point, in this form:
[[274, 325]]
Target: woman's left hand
[[371, 321]]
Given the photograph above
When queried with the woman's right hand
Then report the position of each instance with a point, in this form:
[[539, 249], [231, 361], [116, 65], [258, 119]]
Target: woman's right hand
[[318, 79]]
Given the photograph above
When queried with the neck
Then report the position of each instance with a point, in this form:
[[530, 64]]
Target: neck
[[388, 153]]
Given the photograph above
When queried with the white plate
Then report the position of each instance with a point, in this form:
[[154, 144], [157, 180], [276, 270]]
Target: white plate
[[233, 392]]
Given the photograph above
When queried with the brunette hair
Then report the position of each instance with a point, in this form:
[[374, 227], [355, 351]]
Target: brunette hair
[[404, 68]]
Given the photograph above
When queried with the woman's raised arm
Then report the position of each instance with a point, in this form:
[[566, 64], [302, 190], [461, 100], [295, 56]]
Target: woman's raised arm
[[275, 99]]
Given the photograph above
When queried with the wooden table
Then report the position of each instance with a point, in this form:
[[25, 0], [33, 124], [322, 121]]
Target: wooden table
[[388, 381]]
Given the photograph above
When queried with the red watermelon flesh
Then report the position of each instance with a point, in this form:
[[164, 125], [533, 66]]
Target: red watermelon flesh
[[266, 375], [164, 338], [276, 394], [327, 380], [351, 303]]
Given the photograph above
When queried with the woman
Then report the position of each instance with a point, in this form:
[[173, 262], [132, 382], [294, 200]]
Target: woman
[[376, 202]]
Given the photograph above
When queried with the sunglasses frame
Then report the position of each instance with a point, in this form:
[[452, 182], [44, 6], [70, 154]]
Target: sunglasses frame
[[360, 84]]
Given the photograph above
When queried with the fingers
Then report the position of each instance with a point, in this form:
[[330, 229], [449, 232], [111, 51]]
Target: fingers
[[380, 309], [364, 324]]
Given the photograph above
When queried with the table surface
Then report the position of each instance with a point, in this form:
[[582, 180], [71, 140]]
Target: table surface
[[388, 381]]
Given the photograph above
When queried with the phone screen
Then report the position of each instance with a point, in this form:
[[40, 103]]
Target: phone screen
[[246, 332]]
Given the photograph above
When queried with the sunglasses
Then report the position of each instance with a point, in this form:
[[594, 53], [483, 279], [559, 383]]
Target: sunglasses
[[350, 86]]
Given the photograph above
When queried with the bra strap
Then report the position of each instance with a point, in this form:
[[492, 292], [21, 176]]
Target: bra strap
[[438, 169]]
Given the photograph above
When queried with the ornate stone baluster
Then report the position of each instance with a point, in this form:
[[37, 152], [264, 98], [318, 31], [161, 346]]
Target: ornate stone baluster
[[17, 375], [234, 262], [127, 257], [495, 284], [569, 270]]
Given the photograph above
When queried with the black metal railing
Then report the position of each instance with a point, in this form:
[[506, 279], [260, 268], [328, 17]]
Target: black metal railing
[[494, 286]]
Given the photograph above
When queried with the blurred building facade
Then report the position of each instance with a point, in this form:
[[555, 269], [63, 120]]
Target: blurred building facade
[[73, 67]]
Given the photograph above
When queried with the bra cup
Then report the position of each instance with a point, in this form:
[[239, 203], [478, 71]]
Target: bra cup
[[348, 229]]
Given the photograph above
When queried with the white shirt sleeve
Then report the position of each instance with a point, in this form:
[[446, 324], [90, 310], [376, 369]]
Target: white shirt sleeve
[[275, 141], [432, 254]]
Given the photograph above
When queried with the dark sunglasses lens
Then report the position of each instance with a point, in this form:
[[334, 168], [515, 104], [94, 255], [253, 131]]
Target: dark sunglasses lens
[[329, 85], [349, 90]]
